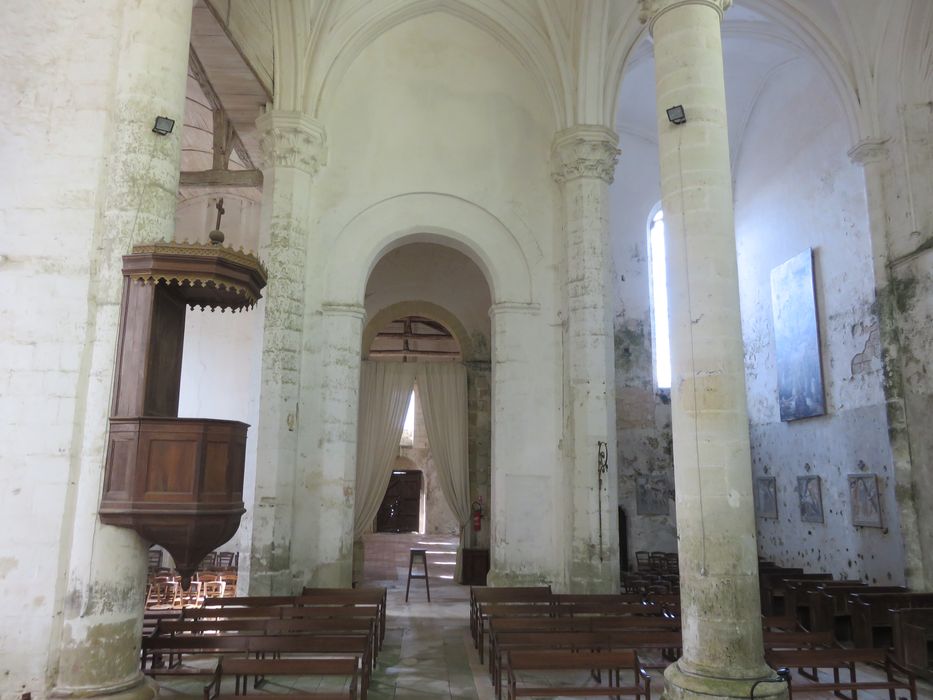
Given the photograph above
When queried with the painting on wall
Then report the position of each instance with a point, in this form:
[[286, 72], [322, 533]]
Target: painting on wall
[[652, 495], [866, 501], [797, 339], [809, 493], [766, 497]]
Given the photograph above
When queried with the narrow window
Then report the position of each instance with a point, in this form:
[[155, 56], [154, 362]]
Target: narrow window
[[408, 431], [659, 317]]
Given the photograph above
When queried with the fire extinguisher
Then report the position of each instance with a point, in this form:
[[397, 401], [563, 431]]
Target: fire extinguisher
[[477, 508]]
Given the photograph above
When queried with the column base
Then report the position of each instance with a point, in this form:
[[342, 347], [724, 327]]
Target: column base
[[680, 685], [139, 688]]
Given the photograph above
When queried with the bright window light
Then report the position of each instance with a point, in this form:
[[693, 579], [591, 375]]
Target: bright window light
[[408, 432], [662, 338]]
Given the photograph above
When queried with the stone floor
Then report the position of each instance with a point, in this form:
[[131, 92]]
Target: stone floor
[[428, 652]]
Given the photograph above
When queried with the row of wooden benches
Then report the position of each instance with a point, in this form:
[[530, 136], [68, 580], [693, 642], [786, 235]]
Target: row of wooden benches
[[524, 634], [336, 632], [887, 617]]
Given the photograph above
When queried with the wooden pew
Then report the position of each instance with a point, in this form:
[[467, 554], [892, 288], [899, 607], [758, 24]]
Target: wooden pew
[[837, 659], [629, 632], [485, 610], [829, 606], [913, 637], [353, 596], [872, 618], [609, 640], [797, 600], [241, 669], [162, 655], [510, 594], [774, 588], [572, 663], [357, 647]]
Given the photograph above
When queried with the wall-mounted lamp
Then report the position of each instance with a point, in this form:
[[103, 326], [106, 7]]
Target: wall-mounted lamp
[[164, 125], [677, 115]]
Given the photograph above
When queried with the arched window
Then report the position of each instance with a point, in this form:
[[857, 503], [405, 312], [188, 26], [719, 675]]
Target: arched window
[[659, 317]]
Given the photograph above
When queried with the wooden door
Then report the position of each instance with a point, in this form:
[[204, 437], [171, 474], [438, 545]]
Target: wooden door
[[401, 508]]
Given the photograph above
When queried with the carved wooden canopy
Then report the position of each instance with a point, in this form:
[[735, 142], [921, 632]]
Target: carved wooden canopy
[[206, 275]]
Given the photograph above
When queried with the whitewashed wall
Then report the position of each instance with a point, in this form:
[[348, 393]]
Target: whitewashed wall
[[796, 189]]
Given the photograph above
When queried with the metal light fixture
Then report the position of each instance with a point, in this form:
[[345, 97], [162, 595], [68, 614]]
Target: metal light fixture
[[163, 125], [677, 115]]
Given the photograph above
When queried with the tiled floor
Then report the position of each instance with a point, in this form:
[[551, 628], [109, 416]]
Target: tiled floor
[[428, 652]]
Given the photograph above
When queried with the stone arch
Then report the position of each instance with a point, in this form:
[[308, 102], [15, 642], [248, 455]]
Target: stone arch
[[325, 68], [435, 218], [804, 35], [420, 308]]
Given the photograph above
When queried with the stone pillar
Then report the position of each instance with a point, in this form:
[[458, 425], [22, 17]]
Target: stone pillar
[[721, 612], [325, 488], [584, 163], [529, 495], [293, 149], [103, 589], [872, 155]]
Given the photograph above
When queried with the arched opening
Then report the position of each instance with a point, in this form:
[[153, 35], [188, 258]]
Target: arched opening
[[428, 305]]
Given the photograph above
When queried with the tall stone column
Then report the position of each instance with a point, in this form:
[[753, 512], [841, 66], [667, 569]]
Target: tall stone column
[[721, 613], [100, 600], [529, 502], [294, 149], [872, 155], [584, 164], [326, 484]]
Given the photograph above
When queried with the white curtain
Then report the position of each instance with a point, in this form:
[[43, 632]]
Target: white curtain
[[443, 392], [385, 390]]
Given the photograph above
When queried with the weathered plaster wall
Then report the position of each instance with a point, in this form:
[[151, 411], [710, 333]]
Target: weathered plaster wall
[[220, 364], [421, 124], [795, 188], [643, 414], [49, 208]]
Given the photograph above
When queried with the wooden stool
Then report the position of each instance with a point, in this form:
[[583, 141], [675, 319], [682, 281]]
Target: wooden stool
[[423, 554]]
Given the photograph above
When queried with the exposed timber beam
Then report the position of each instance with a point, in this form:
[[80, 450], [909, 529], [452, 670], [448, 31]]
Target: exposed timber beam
[[221, 178]]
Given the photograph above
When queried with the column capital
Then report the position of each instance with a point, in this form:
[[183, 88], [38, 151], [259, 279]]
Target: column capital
[[870, 150], [650, 10], [585, 151], [292, 140], [503, 308]]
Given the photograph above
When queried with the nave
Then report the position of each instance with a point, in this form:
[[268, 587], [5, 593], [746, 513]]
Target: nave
[[428, 651]]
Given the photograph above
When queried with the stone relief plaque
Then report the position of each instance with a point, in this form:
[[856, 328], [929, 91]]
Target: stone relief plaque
[[809, 493], [766, 497], [865, 499], [797, 339], [652, 495]]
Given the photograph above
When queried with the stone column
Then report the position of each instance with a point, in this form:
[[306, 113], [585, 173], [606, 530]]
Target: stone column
[[529, 494], [721, 613], [103, 591], [584, 163], [872, 155], [293, 149], [325, 488]]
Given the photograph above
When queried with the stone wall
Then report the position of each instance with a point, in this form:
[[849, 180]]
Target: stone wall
[[796, 189]]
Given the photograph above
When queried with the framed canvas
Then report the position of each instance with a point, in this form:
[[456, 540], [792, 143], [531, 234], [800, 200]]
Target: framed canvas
[[809, 493], [766, 497], [797, 339], [866, 501]]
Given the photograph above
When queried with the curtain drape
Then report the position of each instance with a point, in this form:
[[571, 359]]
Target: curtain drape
[[385, 390], [442, 389]]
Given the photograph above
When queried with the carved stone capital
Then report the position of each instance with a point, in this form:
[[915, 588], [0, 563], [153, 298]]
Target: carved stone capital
[[585, 151], [650, 10], [869, 151], [292, 140]]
